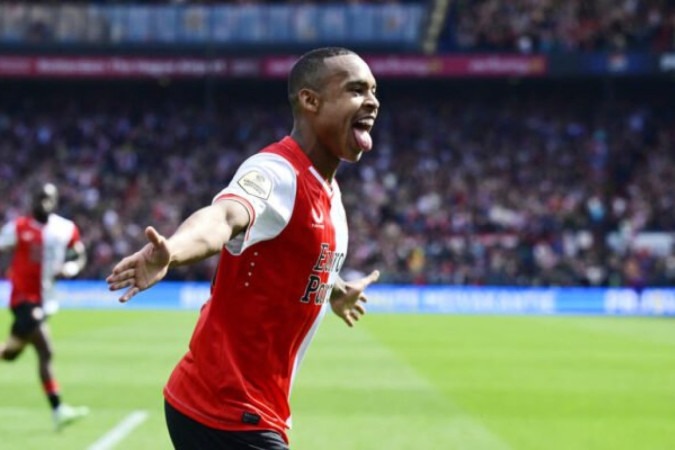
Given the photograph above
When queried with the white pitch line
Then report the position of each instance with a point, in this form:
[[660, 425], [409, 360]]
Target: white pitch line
[[121, 430]]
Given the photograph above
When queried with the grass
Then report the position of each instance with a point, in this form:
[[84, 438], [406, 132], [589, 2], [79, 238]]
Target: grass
[[395, 382]]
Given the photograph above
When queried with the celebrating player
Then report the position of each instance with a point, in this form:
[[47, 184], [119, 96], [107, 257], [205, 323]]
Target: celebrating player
[[281, 231]]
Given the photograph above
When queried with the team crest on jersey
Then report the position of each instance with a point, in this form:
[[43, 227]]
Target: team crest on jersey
[[27, 236], [256, 184]]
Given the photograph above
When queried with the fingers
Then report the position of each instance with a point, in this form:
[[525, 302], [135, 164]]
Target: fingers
[[371, 278], [353, 315], [360, 309], [121, 284], [154, 237], [124, 274], [123, 279], [126, 264], [157, 240], [128, 294], [119, 276]]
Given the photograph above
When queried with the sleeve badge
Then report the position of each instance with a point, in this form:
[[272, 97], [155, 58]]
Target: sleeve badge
[[256, 184]]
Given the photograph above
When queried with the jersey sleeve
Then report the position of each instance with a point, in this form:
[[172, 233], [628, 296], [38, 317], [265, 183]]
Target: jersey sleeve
[[8, 235], [265, 184], [75, 238]]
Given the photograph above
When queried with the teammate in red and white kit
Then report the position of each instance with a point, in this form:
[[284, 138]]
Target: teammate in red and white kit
[[45, 246], [281, 232]]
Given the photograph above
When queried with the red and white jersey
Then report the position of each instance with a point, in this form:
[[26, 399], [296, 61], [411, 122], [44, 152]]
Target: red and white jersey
[[268, 296], [39, 253]]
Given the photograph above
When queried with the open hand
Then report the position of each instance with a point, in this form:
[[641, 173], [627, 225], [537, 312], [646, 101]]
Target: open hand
[[348, 302], [143, 269]]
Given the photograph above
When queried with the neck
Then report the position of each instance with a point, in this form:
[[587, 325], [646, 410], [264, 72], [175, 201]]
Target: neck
[[322, 159]]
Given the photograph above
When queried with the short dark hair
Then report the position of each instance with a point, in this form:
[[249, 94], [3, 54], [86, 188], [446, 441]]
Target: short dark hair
[[305, 73]]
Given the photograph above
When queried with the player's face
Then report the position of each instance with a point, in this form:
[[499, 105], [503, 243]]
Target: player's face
[[44, 201], [348, 108]]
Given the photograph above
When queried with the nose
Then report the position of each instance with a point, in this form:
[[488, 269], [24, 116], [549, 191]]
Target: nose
[[372, 101]]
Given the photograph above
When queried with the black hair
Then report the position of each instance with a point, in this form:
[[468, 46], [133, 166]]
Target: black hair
[[306, 71], [40, 189]]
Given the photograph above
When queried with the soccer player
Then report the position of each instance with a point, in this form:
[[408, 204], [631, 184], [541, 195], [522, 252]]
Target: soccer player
[[281, 231], [45, 246]]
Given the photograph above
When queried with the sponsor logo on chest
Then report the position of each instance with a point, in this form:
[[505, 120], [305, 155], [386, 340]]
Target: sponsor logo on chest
[[316, 291]]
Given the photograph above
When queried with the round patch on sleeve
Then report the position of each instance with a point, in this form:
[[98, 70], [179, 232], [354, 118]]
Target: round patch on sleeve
[[256, 183]]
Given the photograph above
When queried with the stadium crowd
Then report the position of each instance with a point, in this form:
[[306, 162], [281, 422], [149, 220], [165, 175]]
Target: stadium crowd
[[465, 186], [561, 25]]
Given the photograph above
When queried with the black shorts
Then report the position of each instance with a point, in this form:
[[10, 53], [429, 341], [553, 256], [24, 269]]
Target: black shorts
[[188, 434], [27, 318]]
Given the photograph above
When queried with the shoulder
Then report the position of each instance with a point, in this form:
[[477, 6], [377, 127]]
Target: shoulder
[[60, 225], [270, 161], [266, 171], [16, 223], [60, 220]]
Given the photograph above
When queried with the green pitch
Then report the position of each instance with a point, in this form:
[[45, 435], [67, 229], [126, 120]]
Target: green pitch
[[395, 382]]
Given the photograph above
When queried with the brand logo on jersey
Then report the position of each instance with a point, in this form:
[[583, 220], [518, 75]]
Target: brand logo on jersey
[[317, 215], [327, 262], [256, 184]]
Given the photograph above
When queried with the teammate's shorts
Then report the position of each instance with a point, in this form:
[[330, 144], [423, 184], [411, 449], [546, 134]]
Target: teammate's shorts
[[188, 434], [27, 318]]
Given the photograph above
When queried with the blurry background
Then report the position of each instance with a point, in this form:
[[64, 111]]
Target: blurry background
[[524, 149], [520, 143]]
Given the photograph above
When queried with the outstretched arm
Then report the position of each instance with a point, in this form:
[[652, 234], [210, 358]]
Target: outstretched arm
[[347, 298], [201, 235]]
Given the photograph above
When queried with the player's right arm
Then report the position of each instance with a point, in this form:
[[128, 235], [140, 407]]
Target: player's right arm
[[8, 236], [201, 235]]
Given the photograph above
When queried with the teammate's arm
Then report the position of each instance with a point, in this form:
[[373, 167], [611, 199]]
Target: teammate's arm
[[347, 298], [7, 236], [201, 235], [77, 259]]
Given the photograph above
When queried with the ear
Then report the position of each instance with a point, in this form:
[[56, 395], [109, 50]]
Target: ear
[[308, 100]]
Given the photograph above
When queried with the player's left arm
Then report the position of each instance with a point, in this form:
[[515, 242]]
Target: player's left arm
[[76, 260], [76, 255], [348, 297]]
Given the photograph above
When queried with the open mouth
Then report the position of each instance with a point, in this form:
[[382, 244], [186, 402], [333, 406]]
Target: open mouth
[[361, 129]]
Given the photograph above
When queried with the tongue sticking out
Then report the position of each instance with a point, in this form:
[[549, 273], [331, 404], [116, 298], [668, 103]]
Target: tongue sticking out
[[363, 139]]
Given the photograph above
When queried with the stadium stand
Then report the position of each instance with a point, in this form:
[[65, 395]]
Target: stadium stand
[[560, 25]]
